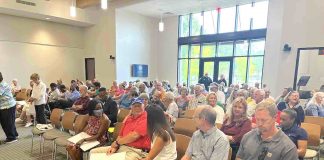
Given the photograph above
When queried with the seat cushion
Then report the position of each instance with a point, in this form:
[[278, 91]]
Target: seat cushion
[[310, 153], [54, 133], [62, 141], [36, 131]]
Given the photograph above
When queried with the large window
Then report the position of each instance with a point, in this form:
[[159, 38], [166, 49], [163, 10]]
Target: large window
[[236, 34]]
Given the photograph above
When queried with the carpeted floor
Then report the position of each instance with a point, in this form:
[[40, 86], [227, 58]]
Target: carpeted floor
[[21, 150]]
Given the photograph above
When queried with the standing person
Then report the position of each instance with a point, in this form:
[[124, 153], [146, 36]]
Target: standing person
[[222, 79], [38, 97], [206, 81], [7, 112]]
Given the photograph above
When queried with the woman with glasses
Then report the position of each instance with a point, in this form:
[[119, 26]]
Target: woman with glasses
[[236, 124], [292, 101]]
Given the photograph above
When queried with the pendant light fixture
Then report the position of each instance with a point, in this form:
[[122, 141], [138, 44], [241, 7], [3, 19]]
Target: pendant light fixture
[[161, 24], [73, 8], [104, 4]]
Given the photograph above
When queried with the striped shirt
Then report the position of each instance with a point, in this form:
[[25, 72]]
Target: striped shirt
[[6, 98], [208, 146]]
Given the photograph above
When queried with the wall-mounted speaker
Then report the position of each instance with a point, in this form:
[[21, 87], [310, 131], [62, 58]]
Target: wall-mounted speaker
[[286, 48]]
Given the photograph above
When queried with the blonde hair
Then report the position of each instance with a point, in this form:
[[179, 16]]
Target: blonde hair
[[237, 101], [208, 96], [313, 100]]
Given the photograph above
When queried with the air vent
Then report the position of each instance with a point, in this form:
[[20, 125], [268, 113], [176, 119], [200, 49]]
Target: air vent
[[26, 2]]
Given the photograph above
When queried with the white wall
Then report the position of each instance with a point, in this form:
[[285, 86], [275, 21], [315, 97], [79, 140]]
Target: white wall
[[298, 24], [136, 39], [168, 50], [50, 49]]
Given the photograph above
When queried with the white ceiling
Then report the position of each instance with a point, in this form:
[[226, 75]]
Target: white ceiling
[[154, 8]]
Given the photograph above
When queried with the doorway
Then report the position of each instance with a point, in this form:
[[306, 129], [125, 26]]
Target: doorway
[[90, 69], [215, 67]]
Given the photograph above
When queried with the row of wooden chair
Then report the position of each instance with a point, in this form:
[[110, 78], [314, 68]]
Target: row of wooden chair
[[314, 127], [63, 123]]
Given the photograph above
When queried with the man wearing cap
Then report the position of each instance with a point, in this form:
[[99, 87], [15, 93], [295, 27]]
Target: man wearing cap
[[133, 138]]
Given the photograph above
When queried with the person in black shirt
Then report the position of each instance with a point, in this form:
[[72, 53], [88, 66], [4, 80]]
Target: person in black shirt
[[206, 81], [109, 105]]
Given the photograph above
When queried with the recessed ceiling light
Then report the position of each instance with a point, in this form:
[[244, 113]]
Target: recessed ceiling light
[[47, 18]]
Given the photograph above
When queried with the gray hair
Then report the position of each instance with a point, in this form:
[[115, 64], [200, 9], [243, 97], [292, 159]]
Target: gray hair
[[291, 113], [268, 106], [206, 112]]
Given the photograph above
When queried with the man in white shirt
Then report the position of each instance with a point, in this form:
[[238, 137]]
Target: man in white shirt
[[15, 87], [38, 97]]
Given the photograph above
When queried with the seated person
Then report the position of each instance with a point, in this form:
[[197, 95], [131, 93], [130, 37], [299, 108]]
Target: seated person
[[67, 99], [236, 124], [96, 128], [292, 101], [315, 107], [95, 91], [156, 100], [53, 96], [163, 143], [296, 134], [81, 104], [109, 105], [182, 100], [198, 98], [172, 111], [27, 113], [15, 87], [212, 101], [266, 141], [133, 138], [126, 100], [208, 142]]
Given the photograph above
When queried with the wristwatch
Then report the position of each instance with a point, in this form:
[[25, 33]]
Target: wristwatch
[[117, 143]]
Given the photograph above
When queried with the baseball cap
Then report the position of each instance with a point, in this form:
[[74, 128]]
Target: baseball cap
[[138, 100]]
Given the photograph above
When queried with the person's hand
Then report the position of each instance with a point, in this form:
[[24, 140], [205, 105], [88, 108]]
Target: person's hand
[[230, 138], [111, 150], [114, 145], [80, 142]]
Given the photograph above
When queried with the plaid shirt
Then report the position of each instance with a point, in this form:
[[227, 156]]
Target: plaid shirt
[[6, 98]]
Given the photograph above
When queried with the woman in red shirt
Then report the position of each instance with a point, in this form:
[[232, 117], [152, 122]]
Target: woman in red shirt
[[236, 124]]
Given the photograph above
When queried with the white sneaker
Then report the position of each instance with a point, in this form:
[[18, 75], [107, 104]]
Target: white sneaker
[[28, 124], [18, 120]]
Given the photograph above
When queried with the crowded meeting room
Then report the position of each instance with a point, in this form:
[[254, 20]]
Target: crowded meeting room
[[161, 80]]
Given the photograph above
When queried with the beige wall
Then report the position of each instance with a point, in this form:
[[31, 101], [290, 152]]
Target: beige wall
[[136, 39], [50, 49], [168, 50], [99, 43]]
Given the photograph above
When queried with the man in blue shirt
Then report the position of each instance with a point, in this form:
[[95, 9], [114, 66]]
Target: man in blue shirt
[[293, 131], [7, 112]]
